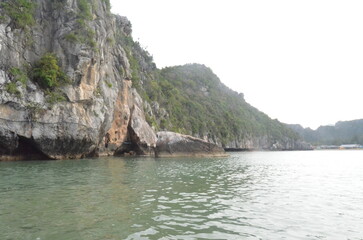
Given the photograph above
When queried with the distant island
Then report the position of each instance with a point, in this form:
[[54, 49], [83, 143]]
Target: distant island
[[343, 135]]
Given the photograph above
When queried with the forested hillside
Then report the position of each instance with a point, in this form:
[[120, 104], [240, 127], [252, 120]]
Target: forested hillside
[[197, 103], [347, 132]]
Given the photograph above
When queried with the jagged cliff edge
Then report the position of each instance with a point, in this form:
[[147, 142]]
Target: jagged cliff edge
[[98, 111]]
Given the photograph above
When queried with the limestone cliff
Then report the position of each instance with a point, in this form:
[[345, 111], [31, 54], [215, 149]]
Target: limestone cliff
[[97, 111]]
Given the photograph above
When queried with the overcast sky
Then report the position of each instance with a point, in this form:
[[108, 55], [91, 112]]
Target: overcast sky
[[297, 61]]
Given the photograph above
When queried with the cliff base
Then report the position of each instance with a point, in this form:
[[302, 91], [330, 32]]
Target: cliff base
[[170, 144]]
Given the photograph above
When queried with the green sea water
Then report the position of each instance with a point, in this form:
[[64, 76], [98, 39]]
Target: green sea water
[[250, 195]]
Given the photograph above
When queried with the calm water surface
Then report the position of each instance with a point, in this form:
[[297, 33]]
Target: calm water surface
[[255, 195]]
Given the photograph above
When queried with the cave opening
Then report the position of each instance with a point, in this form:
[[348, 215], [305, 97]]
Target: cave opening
[[27, 149], [130, 146]]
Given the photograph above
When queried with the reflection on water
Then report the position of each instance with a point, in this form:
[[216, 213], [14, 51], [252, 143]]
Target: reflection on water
[[257, 195]]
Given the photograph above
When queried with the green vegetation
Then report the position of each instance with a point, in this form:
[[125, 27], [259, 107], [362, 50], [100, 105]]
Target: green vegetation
[[152, 121], [85, 12], [110, 41], [199, 104], [16, 75], [12, 88], [135, 70], [136, 55], [108, 5], [84, 34], [347, 132], [49, 76], [55, 97], [72, 37], [87, 37], [125, 41], [58, 4], [108, 84], [195, 100], [47, 73], [19, 75], [21, 13]]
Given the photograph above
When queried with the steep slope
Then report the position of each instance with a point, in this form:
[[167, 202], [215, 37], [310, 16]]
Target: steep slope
[[344, 132], [192, 100], [65, 89]]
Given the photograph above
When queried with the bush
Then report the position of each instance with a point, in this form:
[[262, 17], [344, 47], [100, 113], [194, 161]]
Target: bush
[[21, 13], [84, 34], [111, 41], [71, 37], [55, 97], [85, 10], [47, 72], [11, 88], [19, 75]]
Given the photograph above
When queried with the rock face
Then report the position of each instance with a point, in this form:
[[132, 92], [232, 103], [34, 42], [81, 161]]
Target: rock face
[[141, 138], [170, 144], [8, 142], [101, 109]]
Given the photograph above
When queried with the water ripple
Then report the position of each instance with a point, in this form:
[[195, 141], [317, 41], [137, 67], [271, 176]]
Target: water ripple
[[258, 195]]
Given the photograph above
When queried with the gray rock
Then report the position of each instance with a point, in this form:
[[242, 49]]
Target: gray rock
[[142, 134], [141, 139], [170, 144], [8, 142], [98, 100]]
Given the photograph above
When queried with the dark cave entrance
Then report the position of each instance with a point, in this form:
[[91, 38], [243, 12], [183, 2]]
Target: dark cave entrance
[[130, 147], [28, 150]]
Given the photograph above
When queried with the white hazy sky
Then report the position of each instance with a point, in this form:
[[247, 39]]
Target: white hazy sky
[[300, 61]]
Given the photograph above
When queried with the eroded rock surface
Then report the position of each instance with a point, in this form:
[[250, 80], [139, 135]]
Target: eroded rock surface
[[170, 144], [97, 113], [141, 138]]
